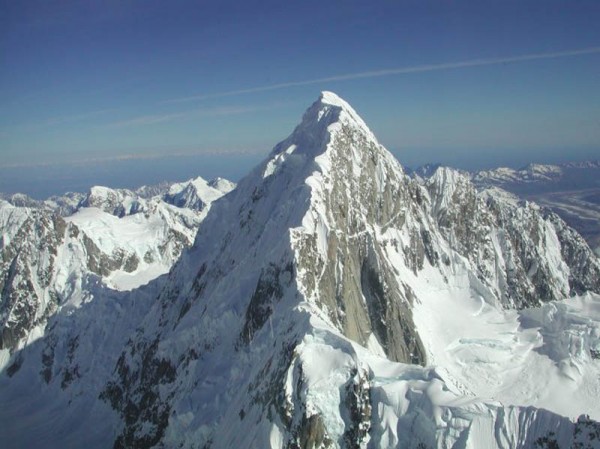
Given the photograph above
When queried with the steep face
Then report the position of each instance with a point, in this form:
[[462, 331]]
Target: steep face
[[358, 190], [326, 244], [281, 325], [55, 251], [521, 253], [301, 243], [29, 248]]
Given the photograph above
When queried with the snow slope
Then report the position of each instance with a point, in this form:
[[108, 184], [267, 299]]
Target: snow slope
[[55, 251], [154, 238], [331, 301], [530, 173]]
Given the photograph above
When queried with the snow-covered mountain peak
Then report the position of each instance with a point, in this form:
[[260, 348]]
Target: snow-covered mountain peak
[[119, 202], [325, 118], [447, 175], [445, 184], [333, 99], [222, 185], [330, 99], [345, 113], [281, 326]]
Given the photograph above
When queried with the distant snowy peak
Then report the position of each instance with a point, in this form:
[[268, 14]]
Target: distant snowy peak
[[20, 200], [222, 185], [118, 202], [530, 173], [424, 171], [64, 205], [583, 165], [53, 252], [196, 193]]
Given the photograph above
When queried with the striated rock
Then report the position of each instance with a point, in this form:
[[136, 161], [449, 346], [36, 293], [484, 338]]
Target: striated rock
[[48, 260], [297, 318]]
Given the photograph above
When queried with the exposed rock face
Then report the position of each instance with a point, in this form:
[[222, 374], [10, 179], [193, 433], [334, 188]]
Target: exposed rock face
[[341, 260], [29, 249], [48, 260], [118, 202], [523, 254], [280, 326], [327, 221]]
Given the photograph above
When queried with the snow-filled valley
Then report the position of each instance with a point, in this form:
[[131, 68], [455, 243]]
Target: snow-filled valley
[[63, 251], [328, 301], [542, 356]]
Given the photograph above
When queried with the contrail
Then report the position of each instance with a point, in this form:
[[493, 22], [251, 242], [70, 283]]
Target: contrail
[[396, 71]]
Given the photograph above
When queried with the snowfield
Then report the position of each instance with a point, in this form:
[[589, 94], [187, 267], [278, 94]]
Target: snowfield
[[539, 356], [137, 234], [329, 301]]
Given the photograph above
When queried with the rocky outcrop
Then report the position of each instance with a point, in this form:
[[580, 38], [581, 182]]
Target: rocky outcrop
[[523, 254], [284, 324], [29, 249], [47, 260]]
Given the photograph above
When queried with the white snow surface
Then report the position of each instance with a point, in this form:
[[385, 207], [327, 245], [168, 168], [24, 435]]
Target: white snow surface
[[139, 234], [257, 354], [538, 356], [54, 256], [528, 174]]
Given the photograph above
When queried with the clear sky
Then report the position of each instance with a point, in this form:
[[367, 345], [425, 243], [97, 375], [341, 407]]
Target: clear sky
[[468, 83]]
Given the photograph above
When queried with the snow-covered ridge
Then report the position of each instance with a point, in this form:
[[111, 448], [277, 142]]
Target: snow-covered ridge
[[192, 194], [583, 165], [571, 190], [196, 193], [331, 301], [530, 173], [55, 252]]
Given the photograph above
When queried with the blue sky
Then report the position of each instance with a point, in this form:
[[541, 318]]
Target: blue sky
[[468, 83]]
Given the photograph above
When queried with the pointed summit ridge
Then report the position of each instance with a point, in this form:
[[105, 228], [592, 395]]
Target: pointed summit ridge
[[324, 119], [333, 99], [346, 111], [281, 326]]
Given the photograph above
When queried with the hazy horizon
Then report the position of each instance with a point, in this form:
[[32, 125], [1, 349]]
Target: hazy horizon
[[42, 180], [467, 84]]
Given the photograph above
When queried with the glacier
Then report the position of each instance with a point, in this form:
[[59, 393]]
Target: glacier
[[332, 301]]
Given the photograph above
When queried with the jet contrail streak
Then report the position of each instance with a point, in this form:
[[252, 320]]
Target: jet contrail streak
[[397, 71]]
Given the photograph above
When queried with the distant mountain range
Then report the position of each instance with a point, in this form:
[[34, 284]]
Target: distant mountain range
[[328, 301], [572, 190], [55, 252], [585, 173], [574, 174]]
